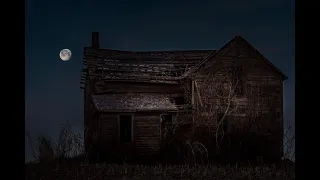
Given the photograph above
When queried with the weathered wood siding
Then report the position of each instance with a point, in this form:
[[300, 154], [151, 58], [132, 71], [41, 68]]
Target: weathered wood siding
[[257, 73], [90, 117], [146, 132], [146, 126], [103, 87], [109, 126]]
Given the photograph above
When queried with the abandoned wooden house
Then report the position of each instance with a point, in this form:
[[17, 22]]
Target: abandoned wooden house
[[131, 98]]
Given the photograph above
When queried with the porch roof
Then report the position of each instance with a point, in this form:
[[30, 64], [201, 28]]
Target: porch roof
[[137, 102]]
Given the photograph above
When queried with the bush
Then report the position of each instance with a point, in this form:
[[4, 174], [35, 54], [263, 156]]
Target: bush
[[68, 144]]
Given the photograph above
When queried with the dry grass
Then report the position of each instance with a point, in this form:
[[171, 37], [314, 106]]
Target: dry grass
[[113, 171], [62, 167]]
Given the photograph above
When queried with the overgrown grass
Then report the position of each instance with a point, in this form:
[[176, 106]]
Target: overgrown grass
[[114, 171], [57, 164]]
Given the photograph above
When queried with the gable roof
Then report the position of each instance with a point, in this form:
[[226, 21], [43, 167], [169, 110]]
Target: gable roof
[[212, 58], [156, 66], [284, 77]]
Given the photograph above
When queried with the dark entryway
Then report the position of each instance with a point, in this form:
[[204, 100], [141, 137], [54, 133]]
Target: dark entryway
[[125, 128]]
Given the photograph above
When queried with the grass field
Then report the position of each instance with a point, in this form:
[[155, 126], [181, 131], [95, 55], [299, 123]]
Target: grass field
[[74, 169], [114, 171]]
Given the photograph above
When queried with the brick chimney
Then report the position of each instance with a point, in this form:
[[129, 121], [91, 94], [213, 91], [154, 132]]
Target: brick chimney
[[95, 40]]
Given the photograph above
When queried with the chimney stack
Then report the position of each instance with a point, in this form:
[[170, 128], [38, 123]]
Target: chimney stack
[[95, 40]]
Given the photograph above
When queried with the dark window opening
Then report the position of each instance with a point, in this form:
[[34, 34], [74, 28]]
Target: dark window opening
[[125, 128], [225, 124], [237, 80], [179, 100], [166, 119]]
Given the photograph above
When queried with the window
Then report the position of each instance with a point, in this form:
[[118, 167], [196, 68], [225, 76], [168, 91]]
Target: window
[[225, 124], [237, 79], [166, 119], [179, 100], [125, 128]]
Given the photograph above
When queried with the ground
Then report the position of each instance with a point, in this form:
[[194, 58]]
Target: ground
[[113, 171]]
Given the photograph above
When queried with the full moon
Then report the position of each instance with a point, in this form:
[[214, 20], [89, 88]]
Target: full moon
[[65, 54]]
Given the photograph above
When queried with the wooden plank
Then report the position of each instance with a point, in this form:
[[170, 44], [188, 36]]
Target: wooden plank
[[198, 93]]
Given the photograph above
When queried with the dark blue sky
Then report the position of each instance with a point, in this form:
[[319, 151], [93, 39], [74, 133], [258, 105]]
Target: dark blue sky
[[53, 95]]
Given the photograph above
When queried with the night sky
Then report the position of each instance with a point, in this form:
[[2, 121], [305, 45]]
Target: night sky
[[53, 94]]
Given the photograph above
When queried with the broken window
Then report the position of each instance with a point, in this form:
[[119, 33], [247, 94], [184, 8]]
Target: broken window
[[237, 80], [125, 128]]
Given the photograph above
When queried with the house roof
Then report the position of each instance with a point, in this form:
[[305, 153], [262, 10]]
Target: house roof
[[156, 66], [213, 57], [284, 77], [133, 102]]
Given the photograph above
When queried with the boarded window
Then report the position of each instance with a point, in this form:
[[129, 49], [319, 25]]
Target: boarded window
[[237, 80], [125, 128]]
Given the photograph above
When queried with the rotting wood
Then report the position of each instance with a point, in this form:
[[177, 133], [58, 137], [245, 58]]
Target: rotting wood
[[161, 71], [198, 93], [192, 92]]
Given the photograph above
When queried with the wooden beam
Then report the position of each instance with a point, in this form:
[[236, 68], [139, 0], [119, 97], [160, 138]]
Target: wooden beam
[[192, 92], [198, 93]]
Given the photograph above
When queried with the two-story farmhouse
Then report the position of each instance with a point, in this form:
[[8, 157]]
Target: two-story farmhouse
[[130, 98]]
